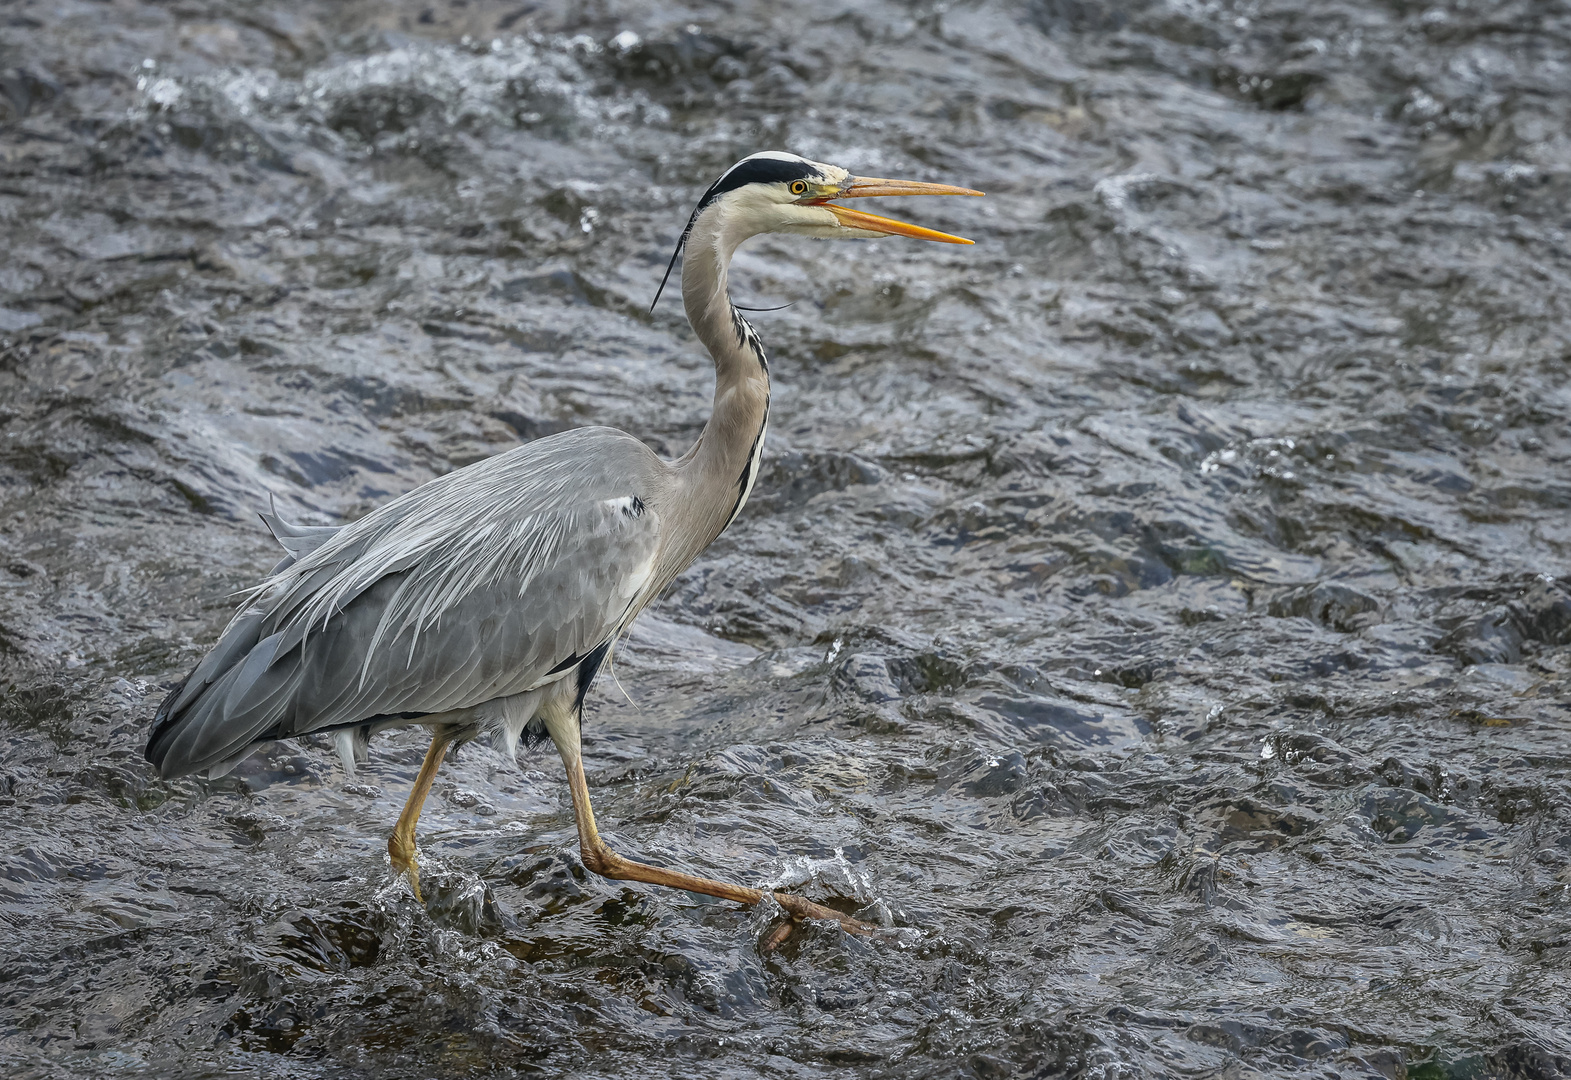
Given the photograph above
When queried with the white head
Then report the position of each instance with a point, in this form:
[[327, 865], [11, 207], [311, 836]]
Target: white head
[[779, 192]]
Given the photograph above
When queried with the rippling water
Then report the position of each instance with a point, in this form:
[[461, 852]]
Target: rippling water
[[1150, 613]]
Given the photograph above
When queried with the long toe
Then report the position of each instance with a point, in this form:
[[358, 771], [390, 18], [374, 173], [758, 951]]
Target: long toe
[[778, 935], [802, 908]]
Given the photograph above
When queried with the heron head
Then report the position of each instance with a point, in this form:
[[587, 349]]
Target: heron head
[[779, 192]]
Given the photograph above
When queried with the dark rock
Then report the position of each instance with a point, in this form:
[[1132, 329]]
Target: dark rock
[[1338, 606], [1276, 90], [867, 676], [1541, 614], [1493, 637], [1544, 612], [990, 776]]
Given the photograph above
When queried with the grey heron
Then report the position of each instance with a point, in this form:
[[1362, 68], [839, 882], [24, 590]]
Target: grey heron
[[483, 602]]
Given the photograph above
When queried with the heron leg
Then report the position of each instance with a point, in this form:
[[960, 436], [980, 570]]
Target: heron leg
[[401, 845], [599, 858]]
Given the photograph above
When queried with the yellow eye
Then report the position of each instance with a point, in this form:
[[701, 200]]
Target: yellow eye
[[799, 187]]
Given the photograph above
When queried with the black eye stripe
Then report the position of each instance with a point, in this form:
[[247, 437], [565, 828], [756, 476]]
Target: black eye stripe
[[757, 171]]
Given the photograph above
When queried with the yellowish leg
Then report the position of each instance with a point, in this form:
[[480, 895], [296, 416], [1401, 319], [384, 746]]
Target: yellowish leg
[[401, 845], [603, 861]]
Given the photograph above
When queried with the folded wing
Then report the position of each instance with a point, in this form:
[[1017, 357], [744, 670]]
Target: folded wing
[[482, 584]]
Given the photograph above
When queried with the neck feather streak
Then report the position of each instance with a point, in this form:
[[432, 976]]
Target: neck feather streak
[[720, 470]]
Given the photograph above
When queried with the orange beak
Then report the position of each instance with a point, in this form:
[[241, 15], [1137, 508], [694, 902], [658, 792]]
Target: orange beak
[[862, 187]]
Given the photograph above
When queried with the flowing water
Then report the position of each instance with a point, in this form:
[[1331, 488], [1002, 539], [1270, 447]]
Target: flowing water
[[1149, 614]]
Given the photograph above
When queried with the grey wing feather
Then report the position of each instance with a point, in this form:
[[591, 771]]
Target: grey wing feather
[[298, 540], [476, 586]]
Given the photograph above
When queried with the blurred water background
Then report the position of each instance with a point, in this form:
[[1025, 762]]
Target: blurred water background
[[1151, 612]]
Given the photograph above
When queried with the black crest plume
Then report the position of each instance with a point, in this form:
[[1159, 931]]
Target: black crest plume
[[753, 170]]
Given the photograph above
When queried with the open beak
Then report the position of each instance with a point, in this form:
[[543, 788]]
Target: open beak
[[862, 187]]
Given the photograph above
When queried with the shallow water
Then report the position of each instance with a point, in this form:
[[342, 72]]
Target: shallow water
[[1149, 613]]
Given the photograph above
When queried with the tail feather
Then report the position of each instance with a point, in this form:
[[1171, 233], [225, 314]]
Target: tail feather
[[222, 719], [235, 695]]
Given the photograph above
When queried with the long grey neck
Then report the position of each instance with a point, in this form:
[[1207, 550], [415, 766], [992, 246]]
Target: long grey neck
[[717, 474]]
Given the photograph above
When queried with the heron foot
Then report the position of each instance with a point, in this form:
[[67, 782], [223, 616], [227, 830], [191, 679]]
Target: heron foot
[[601, 860], [401, 849], [799, 909]]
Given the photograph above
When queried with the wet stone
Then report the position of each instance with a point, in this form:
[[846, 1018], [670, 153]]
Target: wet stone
[[867, 676], [986, 776], [1494, 637], [1338, 606]]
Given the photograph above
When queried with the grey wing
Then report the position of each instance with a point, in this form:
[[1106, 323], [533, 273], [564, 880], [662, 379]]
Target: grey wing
[[443, 605]]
